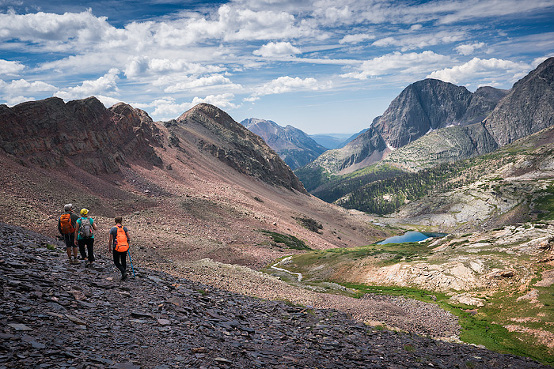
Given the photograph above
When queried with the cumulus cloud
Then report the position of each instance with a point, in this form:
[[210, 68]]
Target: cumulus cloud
[[357, 38], [420, 41], [107, 84], [17, 91], [287, 84], [202, 82], [144, 65], [468, 49], [54, 32], [10, 68], [410, 63], [485, 70], [168, 108], [277, 49]]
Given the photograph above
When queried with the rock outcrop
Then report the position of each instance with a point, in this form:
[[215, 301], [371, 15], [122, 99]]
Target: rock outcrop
[[294, 146], [528, 108], [52, 133]]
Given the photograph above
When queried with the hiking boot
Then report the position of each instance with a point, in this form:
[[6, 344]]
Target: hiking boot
[[124, 276]]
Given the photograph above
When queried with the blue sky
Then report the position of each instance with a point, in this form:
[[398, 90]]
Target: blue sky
[[323, 66]]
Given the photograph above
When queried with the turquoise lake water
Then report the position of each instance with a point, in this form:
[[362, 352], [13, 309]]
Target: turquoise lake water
[[410, 236]]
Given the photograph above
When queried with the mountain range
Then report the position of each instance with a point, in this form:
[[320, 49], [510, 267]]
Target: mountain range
[[207, 200], [294, 146], [433, 122]]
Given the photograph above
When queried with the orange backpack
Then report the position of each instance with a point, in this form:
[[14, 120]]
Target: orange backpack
[[65, 224], [122, 244]]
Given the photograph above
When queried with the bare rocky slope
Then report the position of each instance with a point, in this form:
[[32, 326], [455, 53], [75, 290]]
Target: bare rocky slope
[[56, 315]]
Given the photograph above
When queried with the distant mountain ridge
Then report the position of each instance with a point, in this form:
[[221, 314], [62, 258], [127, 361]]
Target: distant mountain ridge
[[83, 133], [294, 146], [433, 122]]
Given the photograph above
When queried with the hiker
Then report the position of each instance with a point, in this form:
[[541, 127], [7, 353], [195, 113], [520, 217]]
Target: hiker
[[66, 227], [84, 236], [119, 238]]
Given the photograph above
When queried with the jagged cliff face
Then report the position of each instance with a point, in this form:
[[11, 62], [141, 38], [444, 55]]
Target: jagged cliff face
[[294, 146], [84, 133], [215, 132], [422, 107], [528, 108]]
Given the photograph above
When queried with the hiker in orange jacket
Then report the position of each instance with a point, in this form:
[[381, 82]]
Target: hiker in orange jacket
[[119, 245]]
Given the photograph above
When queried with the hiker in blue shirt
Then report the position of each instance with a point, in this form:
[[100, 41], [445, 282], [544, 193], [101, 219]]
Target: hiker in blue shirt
[[84, 236]]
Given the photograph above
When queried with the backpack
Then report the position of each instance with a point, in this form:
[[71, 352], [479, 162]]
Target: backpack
[[85, 230], [65, 224], [122, 243]]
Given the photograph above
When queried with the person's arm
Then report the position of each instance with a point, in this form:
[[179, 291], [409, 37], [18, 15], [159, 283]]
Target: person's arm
[[128, 238], [93, 224], [110, 242], [77, 223]]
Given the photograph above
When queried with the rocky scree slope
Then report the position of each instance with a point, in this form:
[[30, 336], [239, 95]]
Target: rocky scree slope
[[236, 146], [58, 315], [294, 146]]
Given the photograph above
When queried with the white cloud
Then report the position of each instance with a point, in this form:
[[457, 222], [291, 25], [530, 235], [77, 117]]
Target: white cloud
[[354, 39], [277, 49], [143, 65], [10, 68], [288, 84], [485, 70], [411, 42], [197, 83], [411, 63], [468, 49], [105, 84], [18, 91], [54, 32], [167, 108]]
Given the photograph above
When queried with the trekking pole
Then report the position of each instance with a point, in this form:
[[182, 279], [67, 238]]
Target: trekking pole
[[131, 262]]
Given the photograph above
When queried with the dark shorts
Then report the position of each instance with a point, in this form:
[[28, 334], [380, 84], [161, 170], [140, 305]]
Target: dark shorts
[[69, 239]]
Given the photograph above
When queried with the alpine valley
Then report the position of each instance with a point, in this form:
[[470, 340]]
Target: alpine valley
[[238, 264]]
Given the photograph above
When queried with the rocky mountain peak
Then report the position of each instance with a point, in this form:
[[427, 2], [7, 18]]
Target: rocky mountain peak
[[528, 108], [221, 136], [52, 133]]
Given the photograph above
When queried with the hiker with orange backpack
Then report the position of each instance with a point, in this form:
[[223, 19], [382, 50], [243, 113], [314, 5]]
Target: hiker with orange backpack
[[84, 236], [66, 227], [119, 238]]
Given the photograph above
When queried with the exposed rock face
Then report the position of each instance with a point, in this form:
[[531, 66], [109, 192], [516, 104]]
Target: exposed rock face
[[217, 133], [294, 146], [51, 133], [421, 108], [528, 108], [443, 145]]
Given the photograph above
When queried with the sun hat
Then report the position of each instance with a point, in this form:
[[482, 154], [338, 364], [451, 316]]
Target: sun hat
[[84, 211]]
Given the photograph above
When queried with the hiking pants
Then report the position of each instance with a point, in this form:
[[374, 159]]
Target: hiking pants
[[88, 242], [120, 261], [69, 239]]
